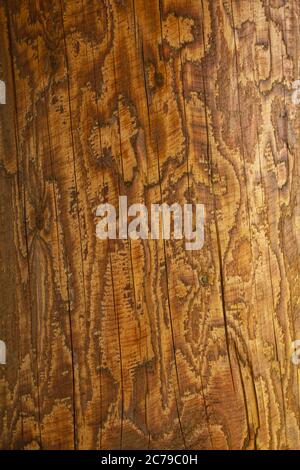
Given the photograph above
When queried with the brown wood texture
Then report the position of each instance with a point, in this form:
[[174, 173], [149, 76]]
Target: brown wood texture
[[139, 344]]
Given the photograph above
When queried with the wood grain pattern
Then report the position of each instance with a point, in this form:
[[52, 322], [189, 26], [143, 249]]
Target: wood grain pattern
[[139, 344]]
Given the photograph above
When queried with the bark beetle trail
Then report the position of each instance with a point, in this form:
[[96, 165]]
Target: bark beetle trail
[[133, 343]]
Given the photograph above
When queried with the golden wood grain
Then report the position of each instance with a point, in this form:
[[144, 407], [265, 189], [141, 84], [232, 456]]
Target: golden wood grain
[[138, 344]]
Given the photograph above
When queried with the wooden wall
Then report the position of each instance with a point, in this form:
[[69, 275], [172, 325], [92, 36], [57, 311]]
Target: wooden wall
[[143, 344]]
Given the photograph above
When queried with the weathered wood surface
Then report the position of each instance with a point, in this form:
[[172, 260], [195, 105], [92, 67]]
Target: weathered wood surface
[[142, 344]]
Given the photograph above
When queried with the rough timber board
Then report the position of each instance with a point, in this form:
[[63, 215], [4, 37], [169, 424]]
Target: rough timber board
[[134, 344]]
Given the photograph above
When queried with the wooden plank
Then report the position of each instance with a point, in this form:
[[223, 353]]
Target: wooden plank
[[47, 326], [18, 392], [141, 343]]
